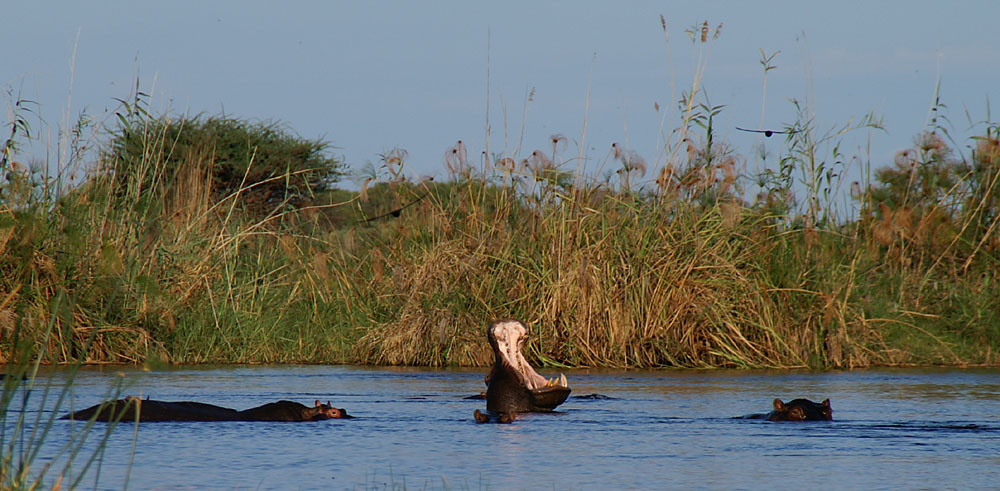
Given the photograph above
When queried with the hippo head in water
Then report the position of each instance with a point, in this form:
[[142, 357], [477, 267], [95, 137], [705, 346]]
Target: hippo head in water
[[327, 411], [801, 410], [512, 385], [293, 411]]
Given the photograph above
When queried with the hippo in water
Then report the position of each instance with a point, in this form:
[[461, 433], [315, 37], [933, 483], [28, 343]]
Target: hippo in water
[[512, 386], [149, 410], [293, 411], [505, 418], [798, 410]]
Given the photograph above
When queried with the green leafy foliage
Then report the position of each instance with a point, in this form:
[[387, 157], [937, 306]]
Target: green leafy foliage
[[263, 163]]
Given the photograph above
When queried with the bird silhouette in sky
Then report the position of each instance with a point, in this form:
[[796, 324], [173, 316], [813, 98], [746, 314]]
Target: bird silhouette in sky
[[396, 212], [768, 133]]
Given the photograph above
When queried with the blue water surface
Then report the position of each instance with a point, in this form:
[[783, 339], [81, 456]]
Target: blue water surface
[[906, 428]]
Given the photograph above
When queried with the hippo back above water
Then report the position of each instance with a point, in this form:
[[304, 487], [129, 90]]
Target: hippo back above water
[[134, 408]]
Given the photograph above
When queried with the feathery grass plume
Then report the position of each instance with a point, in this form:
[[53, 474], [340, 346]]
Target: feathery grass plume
[[632, 164], [393, 161], [558, 142], [666, 180], [546, 173], [538, 162], [456, 161]]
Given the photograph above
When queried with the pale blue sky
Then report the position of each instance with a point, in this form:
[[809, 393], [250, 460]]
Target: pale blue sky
[[370, 76]]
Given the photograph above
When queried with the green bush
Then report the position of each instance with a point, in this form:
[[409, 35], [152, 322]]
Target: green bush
[[263, 163]]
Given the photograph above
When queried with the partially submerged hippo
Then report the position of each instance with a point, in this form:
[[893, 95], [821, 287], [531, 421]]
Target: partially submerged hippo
[[512, 386], [505, 418], [798, 410], [148, 410], [293, 411]]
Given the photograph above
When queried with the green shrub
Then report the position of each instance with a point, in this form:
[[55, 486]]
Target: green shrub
[[264, 163]]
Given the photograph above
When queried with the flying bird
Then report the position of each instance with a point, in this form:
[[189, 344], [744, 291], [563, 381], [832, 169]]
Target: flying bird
[[768, 133], [396, 212]]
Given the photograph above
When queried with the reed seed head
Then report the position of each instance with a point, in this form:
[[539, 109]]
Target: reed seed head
[[456, 159], [507, 164], [633, 162], [856, 190]]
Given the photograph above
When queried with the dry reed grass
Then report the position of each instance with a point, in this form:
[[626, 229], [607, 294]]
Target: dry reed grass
[[611, 285]]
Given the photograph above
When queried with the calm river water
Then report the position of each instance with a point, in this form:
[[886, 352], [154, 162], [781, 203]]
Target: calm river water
[[677, 429]]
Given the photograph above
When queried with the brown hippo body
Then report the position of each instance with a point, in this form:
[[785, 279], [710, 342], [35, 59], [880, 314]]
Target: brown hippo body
[[513, 386], [149, 410]]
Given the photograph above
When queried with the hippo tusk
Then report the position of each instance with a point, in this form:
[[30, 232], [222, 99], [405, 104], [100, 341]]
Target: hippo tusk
[[562, 381]]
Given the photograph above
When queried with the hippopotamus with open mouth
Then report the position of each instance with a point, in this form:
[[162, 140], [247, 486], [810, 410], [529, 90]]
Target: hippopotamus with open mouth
[[148, 410], [512, 386]]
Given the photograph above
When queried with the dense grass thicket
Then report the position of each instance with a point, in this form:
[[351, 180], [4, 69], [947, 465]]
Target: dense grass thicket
[[160, 254], [196, 240]]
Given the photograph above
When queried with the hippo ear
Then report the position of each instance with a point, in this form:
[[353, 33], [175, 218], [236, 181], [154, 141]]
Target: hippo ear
[[826, 403], [778, 405], [317, 403]]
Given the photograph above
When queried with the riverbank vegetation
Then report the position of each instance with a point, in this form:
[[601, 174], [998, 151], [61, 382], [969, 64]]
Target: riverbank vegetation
[[219, 240]]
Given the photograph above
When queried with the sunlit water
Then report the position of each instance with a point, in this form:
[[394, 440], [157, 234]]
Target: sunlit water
[[678, 429]]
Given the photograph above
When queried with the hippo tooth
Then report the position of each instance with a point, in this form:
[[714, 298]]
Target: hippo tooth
[[562, 381]]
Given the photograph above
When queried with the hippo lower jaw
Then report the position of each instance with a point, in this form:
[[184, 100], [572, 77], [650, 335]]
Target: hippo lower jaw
[[547, 398], [513, 386]]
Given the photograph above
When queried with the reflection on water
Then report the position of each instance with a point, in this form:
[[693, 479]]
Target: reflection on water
[[891, 429]]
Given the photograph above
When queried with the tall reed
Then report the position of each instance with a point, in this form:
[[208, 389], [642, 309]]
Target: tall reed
[[29, 406]]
